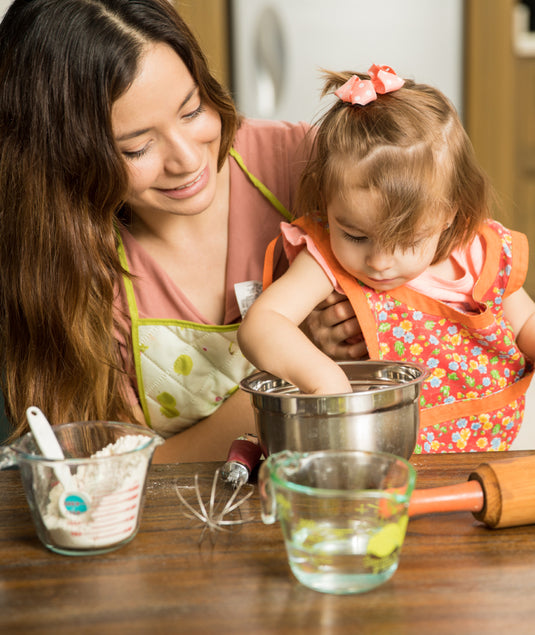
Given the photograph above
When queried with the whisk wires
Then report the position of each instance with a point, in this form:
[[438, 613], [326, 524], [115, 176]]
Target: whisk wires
[[214, 514]]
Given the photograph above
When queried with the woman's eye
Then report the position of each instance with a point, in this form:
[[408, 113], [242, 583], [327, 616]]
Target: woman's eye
[[195, 113], [136, 154]]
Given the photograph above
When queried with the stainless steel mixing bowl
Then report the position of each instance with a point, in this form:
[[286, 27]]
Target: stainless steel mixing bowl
[[381, 414]]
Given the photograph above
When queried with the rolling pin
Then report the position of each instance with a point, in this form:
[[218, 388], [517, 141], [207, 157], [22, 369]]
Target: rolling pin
[[501, 494]]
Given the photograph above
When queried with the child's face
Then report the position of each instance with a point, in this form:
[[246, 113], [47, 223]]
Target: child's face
[[353, 226]]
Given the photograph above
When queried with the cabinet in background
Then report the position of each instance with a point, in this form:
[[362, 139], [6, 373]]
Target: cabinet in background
[[500, 112], [209, 21]]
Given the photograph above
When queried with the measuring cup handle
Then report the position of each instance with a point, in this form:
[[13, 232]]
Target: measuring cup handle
[[7, 458], [268, 504]]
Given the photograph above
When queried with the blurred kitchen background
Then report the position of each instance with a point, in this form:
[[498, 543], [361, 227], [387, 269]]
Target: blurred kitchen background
[[481, 53]]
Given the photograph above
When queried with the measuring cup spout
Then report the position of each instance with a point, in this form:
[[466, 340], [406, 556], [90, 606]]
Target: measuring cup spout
[[7, 458], [155, 442]]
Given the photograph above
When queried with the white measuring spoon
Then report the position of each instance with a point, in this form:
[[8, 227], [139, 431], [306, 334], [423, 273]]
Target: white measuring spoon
[[71, 501]]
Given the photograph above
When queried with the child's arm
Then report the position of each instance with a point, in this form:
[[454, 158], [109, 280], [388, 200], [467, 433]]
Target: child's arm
[[270, 338], [519, 309]]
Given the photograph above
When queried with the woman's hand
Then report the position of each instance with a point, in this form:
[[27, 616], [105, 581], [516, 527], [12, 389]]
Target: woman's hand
[[335, 330]]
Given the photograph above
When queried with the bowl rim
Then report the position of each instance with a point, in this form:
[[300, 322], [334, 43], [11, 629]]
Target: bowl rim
[[246, 383]]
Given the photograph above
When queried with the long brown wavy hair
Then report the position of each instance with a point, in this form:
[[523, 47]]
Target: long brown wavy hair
[[410, 147], [63, 182]]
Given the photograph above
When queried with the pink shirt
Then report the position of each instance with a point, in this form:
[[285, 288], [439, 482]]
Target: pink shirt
[[275, 153]]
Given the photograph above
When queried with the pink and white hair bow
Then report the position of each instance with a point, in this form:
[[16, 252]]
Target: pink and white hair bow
[[359, 91]]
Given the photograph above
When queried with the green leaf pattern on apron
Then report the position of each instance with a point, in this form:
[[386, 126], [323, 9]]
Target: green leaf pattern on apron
[[168, 405], [183, 365]]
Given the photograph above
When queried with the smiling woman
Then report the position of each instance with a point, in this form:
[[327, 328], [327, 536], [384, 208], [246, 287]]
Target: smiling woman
[[135, 198]]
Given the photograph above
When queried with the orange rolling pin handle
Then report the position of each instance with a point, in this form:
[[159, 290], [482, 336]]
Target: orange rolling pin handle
[[499, 494], [462, 497]]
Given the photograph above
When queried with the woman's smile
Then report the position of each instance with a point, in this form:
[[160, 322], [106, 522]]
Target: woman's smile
[[188, 189]]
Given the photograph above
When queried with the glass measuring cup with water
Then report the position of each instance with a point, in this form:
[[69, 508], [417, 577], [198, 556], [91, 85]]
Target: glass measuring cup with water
[[343, 515], [105, 466]]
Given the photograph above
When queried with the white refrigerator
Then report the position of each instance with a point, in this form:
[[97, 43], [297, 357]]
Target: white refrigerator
[[280, 46], [4, 4]]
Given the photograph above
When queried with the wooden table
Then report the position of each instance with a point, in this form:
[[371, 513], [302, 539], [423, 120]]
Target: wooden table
[[455, 575]]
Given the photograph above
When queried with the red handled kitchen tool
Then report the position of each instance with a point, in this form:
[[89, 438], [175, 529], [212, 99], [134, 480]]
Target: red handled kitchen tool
[[216, 504], [500, 494], [243, 457]]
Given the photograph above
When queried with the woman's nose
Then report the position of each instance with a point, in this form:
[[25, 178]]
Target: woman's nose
[[181, 154]]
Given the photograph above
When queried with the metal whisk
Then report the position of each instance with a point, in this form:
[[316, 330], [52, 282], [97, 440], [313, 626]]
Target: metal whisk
[[226, 493]]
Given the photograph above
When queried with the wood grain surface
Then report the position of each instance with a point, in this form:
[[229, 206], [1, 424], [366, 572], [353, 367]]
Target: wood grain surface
[[455, 575]]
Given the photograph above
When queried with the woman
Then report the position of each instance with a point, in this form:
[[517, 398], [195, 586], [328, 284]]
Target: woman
[[125, 222]]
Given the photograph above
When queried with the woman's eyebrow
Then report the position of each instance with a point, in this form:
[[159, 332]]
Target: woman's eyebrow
[[131, 135], [138, 133]]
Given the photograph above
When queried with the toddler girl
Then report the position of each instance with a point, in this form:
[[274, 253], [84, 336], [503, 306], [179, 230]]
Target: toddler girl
[[396, 217]]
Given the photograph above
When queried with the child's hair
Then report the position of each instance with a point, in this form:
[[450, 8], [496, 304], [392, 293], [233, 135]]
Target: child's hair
[[410, 147]]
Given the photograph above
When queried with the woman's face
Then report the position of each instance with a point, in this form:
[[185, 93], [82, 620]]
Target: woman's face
[[169, 138]]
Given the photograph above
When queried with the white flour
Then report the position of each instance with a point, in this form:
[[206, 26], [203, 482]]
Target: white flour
[[114, 487]]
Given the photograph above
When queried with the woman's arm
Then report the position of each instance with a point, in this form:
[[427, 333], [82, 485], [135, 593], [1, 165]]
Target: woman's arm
[[270, 338], [210, 438], [519, 309]]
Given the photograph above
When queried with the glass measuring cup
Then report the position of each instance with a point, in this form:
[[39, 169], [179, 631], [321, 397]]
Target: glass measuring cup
[[343, 515], [108, 463]]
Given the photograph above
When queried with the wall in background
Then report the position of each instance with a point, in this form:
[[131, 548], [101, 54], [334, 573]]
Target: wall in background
[[279, 47]]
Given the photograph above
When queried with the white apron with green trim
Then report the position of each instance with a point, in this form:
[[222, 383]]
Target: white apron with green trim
[[185, 370]]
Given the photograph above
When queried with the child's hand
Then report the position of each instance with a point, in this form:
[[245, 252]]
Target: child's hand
[[332, 381], [335, 391], [335, 330]]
